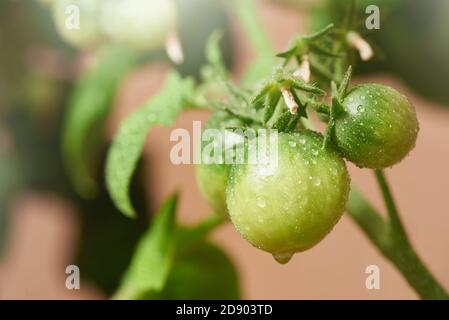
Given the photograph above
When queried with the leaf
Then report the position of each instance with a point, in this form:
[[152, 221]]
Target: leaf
[[88, 107], [302, 108], [190, 236], [320, 33], [271, 102], [200, 269], [321, 50], [203, 272], [345, 84], [153, 257], [262, 67], [301, 85], [128, 144], [213, 52], [282, 123], [246, 13], [294, 122]]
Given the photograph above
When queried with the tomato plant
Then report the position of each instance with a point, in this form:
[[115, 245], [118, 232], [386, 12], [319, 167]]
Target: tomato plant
[[281, 208]]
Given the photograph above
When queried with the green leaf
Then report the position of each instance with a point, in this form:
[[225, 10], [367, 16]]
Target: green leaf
[[153, 257], [247, 14], [321, 50], [200, 269], [271, 102], [88, 107], [213, 52], [282, 122], [319, 34], [128, 144], [203, 272], [345, 84], [294, 122], [310, 88], [262, 67]]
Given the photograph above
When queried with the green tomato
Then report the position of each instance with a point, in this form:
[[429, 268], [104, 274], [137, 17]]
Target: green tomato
[[212, 178], [139, 24], [77, 22], [289, 207], [378, 128]]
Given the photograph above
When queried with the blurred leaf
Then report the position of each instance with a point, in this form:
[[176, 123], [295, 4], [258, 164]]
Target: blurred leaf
[[200, 270], [88, 107], [153, 256], [188, 237], [127, 146], [246, 12], [214, 54], [108, 238], [204, 272], [262, 67]]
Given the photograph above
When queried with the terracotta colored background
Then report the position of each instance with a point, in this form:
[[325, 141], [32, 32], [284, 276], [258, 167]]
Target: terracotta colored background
[[44, 232]]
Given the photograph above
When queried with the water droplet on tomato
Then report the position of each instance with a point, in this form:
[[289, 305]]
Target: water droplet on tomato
[[261, 203], [282, 258]]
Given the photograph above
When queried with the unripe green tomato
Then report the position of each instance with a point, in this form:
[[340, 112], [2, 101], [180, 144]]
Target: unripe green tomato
[[378, 128], [139, 24], [212, 178], [289, 207], [77, 22]]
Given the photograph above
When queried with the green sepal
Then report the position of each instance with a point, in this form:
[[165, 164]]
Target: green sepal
[[342, 90]]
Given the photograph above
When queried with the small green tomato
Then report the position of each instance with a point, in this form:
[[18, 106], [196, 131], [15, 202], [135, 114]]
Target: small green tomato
[[378, 128], [77, 22], [212, 177], [289, 207], [142, 25]]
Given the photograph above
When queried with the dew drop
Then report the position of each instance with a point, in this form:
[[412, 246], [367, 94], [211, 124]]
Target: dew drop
[[360, 108], [317, 182], [302, 141], [261, 203], [282, 258]]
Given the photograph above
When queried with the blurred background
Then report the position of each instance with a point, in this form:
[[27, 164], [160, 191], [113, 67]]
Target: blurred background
[[45, 224]]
